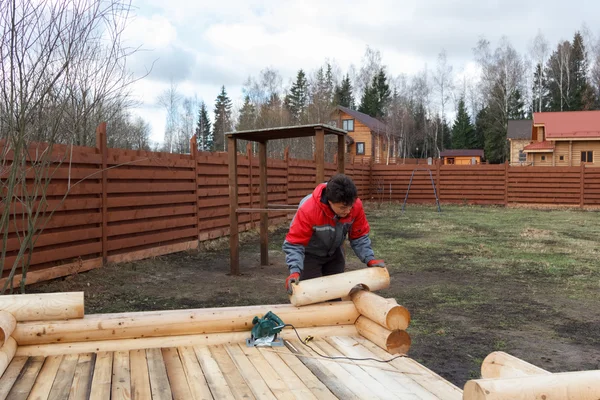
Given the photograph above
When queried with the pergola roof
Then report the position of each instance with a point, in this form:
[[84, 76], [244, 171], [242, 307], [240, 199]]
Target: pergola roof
[[286, 132]]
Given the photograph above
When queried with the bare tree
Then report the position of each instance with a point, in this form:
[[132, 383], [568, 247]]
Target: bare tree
[[443, 86], [53, 72], [169, 99], [539, 54]]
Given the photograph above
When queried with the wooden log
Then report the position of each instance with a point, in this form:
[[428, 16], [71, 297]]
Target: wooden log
[[394, 342], [386, 313], [7, 326], [502, 365], [179, 322], [208, 339], [44, 307], [583, 385], [7, 352], [337, 286]]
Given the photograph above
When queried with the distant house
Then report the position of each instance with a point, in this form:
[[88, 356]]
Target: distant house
[[566, 138], [369, 135], [461, 156], [519, 136]]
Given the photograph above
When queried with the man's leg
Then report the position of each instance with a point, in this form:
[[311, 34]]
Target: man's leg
[[336, 264], [313, 267]]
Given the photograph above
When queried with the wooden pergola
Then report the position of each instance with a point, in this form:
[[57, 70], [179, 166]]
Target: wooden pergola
[[262, 136]]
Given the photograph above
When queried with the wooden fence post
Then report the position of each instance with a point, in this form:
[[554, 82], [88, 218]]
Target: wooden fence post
[[251, 187], [437, 178], [582, 185], [194, 155], [506, 184], [101, 147], [286, 158]]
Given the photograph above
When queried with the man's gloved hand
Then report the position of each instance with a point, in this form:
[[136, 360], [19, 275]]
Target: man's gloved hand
[[376, 263], [293, 278]]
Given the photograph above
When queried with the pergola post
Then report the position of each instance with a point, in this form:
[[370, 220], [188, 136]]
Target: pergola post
[[234, 254], [264, 216], [320, 155], [341, 167]]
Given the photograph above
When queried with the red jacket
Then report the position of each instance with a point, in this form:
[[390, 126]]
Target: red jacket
[[317, 230]]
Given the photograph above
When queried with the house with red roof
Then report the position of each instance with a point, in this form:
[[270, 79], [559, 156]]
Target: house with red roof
[[566, 138]]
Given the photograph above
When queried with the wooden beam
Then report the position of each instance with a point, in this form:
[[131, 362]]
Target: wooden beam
[[153, 252], [339, 285], [341, 153], [43, 307], [133, 325], [264, 217], [502, 365], [234, 244], [320, 155], [101, 146], [580, 385], [394, 342], [209, 339], [7, 326], [265, 210], [7, 352], [387, 314]]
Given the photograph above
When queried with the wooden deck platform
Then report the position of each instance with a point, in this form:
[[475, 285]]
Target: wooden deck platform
[[226, 372]]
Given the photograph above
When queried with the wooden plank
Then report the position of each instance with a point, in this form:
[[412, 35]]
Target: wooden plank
[[152, 225], [64, 378], [393, 381], [295, 385], [26, 380], [234, 251], [153, 252], [10, 376], [317, 387], [82, 380], [372, 383], [434, 383], [54, 238], [101, 380], [193, 372], [264, 217], [214, 376], [134, 241], [320, 155], [337, 387], [150, 200], [271, 377], [151, 187], [121, 376], [177, 378], [159, 381], [153, 212], [67, 253], [45, 379], [35, 276], [234, 379], [151, 173], [140, 377], [251, 375]]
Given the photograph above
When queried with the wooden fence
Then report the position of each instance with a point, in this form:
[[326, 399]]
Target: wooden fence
[[124, 205], [487, 184]]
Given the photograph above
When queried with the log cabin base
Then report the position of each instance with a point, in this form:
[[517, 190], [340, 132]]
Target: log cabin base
[[56, 352]]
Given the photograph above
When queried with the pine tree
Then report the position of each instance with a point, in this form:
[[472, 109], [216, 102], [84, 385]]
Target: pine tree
[[481, 125], [582, 94], [463, 135], [343, 94], [516, 106], [296, 101], [247, 119], [223, 121], [376, 97], [203, 132], [329, 84]]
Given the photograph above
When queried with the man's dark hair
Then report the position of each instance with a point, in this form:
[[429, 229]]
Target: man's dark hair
[[341, 189]]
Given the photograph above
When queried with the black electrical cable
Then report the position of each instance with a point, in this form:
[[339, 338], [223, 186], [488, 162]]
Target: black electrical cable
[[340, 358]]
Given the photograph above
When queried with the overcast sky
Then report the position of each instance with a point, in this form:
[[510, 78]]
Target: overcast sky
[[205, 44]]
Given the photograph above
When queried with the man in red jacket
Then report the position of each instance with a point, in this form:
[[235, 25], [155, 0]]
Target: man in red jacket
[[313, 245]]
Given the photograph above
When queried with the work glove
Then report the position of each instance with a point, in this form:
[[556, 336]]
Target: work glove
[[293, 278], [376, 263]]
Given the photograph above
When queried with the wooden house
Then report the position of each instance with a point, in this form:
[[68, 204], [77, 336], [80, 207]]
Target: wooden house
[[370, 138], [519, 136], [566, 138], [461, 157]]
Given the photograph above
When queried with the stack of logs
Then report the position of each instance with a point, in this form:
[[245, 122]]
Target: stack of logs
[[381, 320]]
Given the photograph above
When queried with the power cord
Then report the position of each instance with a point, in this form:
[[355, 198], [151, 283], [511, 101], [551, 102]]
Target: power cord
[[309, 338]]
